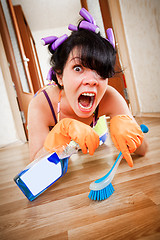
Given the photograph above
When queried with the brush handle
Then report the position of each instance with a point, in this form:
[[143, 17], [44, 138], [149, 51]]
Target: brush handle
[[107, 179], [112, 170]]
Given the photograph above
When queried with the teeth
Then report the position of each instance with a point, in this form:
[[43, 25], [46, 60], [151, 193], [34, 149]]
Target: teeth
[[89, 94]]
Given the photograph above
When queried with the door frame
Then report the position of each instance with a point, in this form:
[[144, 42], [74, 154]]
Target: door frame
[[123, 52], [26, 46], [10, 72]]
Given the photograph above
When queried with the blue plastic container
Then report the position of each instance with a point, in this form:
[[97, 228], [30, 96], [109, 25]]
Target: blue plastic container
[[40, 175]]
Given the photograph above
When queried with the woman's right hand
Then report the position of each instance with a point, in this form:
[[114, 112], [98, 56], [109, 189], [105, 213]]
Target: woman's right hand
[[70, 129]]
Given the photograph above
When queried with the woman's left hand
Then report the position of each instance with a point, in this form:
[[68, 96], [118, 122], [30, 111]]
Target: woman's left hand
[[126, 135]]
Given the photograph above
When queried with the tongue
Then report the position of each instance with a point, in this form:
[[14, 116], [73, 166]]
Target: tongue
[[84, 100]]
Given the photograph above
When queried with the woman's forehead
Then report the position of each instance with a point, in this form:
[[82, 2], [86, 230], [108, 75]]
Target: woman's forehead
[[75, 55]]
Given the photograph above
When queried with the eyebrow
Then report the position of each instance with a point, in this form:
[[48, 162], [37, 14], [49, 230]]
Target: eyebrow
[[75, 58]]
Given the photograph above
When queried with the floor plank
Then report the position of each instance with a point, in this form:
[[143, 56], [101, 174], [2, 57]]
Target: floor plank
[[64, 210]]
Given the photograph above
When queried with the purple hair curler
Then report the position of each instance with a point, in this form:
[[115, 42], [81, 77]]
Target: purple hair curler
[[49, 75], [48, 40], [111, 36], [86, 15], [58, 42], [89, 26], [72, 27], [55, 41]]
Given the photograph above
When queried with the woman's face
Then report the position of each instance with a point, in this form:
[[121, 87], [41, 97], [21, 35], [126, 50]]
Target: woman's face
[[83, 87]]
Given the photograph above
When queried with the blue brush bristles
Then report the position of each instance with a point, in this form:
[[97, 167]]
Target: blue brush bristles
[[102, 194], [102, 188]]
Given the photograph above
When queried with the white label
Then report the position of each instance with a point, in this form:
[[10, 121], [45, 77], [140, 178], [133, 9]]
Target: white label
[[41, 175]]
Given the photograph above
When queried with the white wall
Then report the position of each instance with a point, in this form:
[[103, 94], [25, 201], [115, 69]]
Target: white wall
[[7, 132], [142, 29], [11, 127]]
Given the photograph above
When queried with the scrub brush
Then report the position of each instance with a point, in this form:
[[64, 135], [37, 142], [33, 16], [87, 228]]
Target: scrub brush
[[102, 188]]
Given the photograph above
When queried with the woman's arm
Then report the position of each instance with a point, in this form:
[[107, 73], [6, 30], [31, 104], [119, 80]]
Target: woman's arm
[[143, 148], [37, 126], [114, 104]]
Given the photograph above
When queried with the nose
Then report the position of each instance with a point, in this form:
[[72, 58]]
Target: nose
[[90, 78]]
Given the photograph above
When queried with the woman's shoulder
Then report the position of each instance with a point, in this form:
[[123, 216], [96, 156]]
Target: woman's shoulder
[[112, 94], [39, 106], [112, 102], [39, 98]]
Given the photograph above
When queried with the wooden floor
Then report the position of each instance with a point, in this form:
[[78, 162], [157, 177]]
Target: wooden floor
[[64, 210]]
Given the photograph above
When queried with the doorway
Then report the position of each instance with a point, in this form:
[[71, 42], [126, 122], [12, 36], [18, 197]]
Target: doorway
[[32, 81]]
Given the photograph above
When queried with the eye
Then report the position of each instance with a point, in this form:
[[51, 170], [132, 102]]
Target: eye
[[77, 68]]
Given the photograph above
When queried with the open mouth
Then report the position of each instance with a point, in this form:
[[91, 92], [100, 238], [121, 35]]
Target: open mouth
[[86, 100]]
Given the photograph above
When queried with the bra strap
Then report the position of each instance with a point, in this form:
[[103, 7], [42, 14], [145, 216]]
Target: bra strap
[[50, 104]]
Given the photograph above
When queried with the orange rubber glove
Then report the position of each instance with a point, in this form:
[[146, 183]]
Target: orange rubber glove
[[70, 129], [126, 135]]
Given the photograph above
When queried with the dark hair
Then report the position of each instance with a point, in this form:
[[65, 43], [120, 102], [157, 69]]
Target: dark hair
[[95, 52]]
